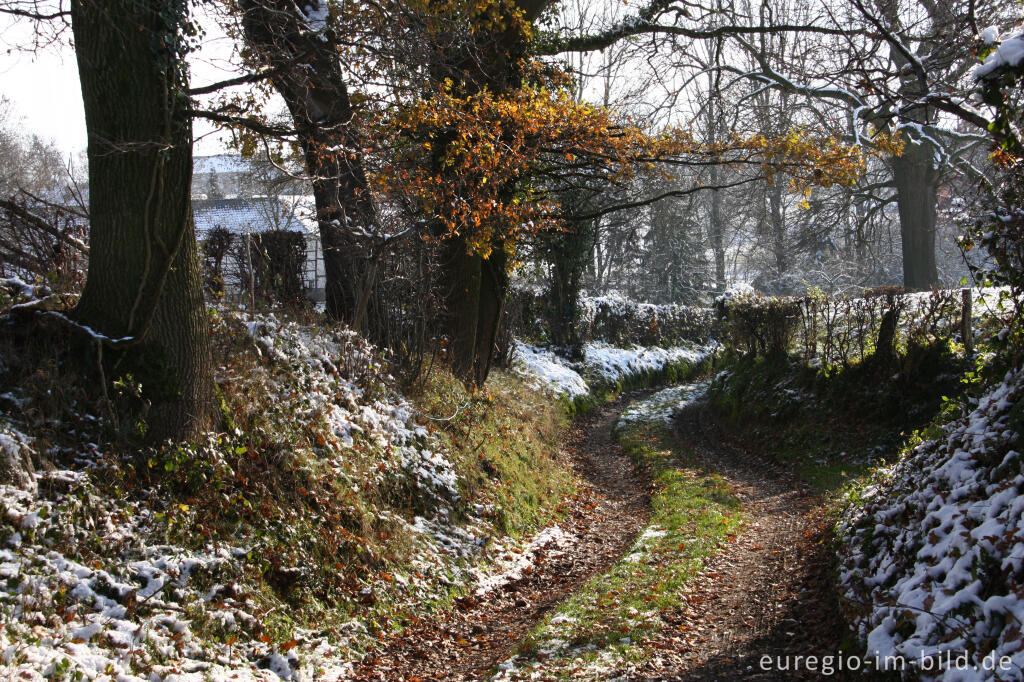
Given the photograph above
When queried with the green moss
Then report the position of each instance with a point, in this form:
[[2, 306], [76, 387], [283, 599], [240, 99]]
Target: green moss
[[505, 440], [226, 420], [834, 424]]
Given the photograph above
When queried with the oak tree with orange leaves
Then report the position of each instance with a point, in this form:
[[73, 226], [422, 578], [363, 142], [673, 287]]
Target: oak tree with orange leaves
[[489, 168], [478, 154]]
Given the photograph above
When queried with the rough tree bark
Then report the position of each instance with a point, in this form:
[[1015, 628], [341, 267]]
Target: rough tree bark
[[915, 175], [779, 247], [713, 113], [143, 278], [308, 76], [916, 180], [568, 252]]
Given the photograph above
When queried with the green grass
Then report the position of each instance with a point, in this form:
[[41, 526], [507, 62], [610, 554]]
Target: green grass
[[610, 620], [504, 443], [833, 426]]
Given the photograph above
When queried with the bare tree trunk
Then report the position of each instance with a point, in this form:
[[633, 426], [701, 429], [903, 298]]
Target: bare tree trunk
[[778, 229], [713, 112], [494, 283], [916, 181], [144, 279], [716, 231], [314, 89]]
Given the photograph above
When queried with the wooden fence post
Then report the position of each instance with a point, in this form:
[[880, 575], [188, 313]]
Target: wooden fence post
[[966, 332]]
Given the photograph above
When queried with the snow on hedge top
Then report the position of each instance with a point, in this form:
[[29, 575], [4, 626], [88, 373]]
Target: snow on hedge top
[[602, 363], [935, 558], [613, 364], [548, 370]]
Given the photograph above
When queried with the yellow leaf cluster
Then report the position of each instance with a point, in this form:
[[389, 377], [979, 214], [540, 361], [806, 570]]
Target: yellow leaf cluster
[[480, 166]]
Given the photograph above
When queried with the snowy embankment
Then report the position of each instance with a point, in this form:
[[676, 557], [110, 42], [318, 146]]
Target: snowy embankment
[[602, 365], [92, 588], [932, 557], [104, 579]]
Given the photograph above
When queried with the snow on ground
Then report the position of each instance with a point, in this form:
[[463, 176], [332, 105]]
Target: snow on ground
[[91, 586], [663, 405], [138, 619], [513, 561], [932, 561], [602, 363]]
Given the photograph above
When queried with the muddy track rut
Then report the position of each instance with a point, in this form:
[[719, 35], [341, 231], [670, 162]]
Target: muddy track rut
[[768, 593], [610, 508]]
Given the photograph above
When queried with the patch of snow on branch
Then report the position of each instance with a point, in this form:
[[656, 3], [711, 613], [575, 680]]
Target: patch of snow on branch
[[1009, 53]]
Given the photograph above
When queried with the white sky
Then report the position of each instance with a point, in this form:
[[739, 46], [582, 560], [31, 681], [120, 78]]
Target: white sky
[[43, 84]]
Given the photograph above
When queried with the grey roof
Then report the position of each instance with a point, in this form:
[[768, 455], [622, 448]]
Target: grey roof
[[250, 215]]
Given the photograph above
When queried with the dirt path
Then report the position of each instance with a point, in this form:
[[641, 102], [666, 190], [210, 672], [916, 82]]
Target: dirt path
[[768, 593], [612, 506]]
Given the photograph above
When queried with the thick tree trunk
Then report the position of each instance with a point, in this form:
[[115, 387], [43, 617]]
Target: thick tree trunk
[[310, 80], [143, 278], [474, 288], [569, 252], [460, 287], [342, 209], [916, 179], [494, 283]]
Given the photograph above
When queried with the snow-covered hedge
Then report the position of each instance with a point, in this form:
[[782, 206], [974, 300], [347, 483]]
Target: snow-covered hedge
[[932, 557], [603, 365], [621, 322], [839, 330], [614, 320]]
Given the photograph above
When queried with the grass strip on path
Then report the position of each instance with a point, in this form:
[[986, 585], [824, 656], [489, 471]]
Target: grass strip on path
[[607, 625]]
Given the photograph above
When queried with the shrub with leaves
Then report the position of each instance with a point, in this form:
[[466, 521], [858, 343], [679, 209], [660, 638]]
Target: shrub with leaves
[[1001, 231], [759, 325]]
